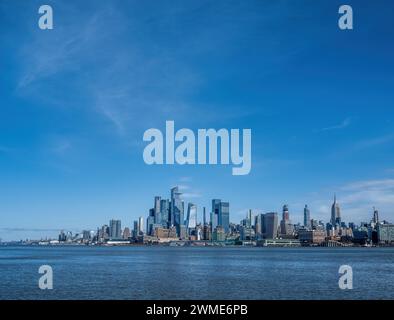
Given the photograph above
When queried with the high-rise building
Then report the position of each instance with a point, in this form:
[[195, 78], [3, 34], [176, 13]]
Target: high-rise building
[[126, 233], [335, 213], [115, 229], [307, 217], [136, 231], [285, 213], [177, 209], [150, 221], [222, 212], [156, 208], [214, 221], [375, 216], [141, 225], [271, 225], [204, 222], [191, 218], [286, 227], [165, 212]]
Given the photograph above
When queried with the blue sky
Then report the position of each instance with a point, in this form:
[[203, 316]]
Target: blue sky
[[76, 100]]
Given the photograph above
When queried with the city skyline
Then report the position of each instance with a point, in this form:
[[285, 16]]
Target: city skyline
[[76, 101], [176, 207]]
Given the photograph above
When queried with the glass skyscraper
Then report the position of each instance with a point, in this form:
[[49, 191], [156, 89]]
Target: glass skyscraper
[[115, 229], [221, 213], [177, 210], [191, 219], [307, 217]]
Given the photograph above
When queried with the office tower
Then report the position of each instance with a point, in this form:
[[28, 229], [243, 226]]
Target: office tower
[[141, 225], [224, 216], [271, 225], [257, 226], [214, 221], [204, 222], [250, 218], [177, 210], [307, 217], [156, 208], [285, 213], [165, 212], [191, 219], [375, 216], [136, 230], [126, 233], [104, 233], [335, 213], [150, 221], [221, 214], [115, 229], [286, 228]]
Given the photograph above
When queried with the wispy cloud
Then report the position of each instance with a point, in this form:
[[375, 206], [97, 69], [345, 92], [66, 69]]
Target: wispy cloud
[[357, 200], [374, 142], [344, 124]]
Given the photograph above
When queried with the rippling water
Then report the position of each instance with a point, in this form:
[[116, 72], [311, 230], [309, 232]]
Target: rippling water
[[196, 273]]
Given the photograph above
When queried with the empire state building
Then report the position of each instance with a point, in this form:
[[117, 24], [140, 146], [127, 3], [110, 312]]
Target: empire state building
[[335, 212]]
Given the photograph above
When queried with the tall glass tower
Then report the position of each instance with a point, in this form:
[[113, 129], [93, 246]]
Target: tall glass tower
[[191, 219], [177, 210], [307, 217], [115, 229], [221, 212]]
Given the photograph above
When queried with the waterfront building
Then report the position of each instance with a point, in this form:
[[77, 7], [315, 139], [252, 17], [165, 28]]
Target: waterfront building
[[165, 233], [115, 229], [126, 233], [222, 211], [271, 225], [385, 233], [219, 234], [312, 236]]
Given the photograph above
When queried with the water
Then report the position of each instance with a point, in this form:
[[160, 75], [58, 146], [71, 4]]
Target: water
[[196, 273]]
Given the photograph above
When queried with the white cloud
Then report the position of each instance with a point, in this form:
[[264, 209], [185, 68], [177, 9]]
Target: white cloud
[[344, 124]]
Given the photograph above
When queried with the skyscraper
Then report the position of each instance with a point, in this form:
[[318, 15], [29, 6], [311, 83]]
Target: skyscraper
[[221, 213], [115, 229], [177, 210], [150, 221], [307, 217], [335, 213], [271, 225], [285, 213], [191, 219], [286, 228], [375, 215], [156, 207], [204, 217], [141, 225], [165, 212]]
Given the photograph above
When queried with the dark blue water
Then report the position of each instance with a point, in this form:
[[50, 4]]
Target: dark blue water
[[196, 273]]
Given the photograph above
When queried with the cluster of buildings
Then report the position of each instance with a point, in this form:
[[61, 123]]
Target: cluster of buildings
[[168, 223]]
